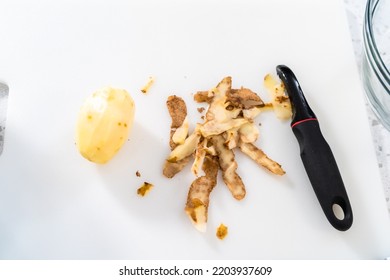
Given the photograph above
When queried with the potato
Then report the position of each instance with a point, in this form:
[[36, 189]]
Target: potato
[[103, 124]]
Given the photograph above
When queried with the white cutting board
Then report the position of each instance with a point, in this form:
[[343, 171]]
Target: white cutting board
[[56, 205]]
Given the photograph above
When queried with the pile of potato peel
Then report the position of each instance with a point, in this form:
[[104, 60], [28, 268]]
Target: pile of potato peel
[[228, 124]]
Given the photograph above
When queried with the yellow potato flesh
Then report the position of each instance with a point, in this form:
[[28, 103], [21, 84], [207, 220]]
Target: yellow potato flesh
[[103, 124]]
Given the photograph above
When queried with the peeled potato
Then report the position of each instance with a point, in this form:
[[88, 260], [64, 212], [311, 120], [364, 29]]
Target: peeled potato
[[103, 124]]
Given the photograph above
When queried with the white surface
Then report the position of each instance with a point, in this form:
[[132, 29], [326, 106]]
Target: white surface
[[55, 204]]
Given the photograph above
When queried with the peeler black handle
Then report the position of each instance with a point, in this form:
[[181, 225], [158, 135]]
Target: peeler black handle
[[316, 155]]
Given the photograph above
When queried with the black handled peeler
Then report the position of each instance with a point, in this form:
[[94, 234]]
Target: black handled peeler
[[317, 157]]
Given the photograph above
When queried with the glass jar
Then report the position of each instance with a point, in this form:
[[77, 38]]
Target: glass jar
[[376, 58]]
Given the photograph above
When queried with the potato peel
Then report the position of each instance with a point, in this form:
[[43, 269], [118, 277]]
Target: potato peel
[[200, 155], [181, 133], [215, 127], [248, 133], [199, 194], [178, 112], [228, 123], [280, 101], [228, 166], [185, 149], [261, 158]]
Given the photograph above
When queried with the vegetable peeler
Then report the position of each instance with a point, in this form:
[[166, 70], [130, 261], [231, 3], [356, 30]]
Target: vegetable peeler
[[316, 155]]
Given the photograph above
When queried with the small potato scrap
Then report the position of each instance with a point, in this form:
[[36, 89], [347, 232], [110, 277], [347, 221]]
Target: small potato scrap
[[228, 123], [222, 231], [147, 86], [144, 189]]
